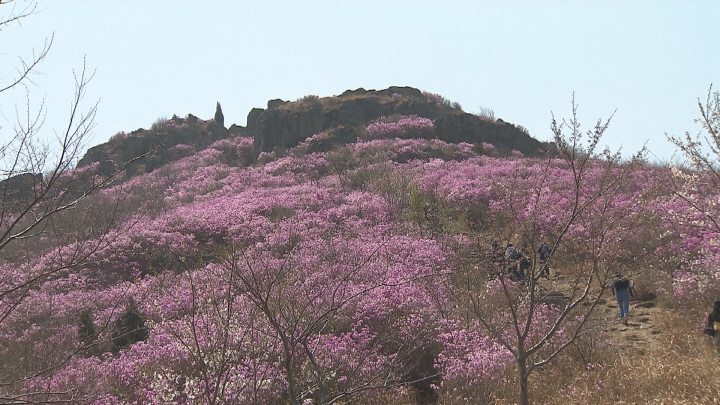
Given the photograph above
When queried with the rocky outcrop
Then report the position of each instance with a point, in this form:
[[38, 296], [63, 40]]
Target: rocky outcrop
[[504, 136], [19, 188], [284, 124], [159, 140]]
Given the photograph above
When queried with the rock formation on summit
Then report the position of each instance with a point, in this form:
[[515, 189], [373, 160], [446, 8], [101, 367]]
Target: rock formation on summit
[[284, 124]]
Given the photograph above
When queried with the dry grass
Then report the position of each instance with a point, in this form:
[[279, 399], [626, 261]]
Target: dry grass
[[671, 364], [679, 366]]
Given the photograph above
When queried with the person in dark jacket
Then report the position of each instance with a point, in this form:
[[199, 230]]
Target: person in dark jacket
[[544, 251], [525, 260], [623, 288], [511, 257], [713, 325], [714, 316]]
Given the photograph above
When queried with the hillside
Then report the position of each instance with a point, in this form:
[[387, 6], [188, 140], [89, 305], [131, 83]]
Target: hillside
[[360, 264]]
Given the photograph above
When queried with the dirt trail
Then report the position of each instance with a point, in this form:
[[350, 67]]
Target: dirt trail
[[634, 338], [640, 330], [642, 327]]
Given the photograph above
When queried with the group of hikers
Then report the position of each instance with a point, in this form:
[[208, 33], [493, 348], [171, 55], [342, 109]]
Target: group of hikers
[[519, 261]]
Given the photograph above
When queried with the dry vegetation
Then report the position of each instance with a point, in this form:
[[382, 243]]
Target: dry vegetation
[[659, 358], [677, 366]]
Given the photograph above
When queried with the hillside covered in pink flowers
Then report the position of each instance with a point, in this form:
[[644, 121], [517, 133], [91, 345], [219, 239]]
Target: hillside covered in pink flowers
[[353, 269]]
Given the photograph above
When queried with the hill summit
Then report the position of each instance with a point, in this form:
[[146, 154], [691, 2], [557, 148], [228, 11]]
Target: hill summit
[[330, 121]]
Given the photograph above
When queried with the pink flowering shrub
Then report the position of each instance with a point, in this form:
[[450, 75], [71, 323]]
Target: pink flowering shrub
[[381, 288], [690, 239], [403, 127]]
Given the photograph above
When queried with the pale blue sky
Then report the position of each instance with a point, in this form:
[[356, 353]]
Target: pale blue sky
[[650, 60]]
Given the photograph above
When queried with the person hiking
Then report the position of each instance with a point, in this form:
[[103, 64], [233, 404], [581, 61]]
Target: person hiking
[[713, 325], [623, 288], [525, 260], [511, 258], [544, 254]]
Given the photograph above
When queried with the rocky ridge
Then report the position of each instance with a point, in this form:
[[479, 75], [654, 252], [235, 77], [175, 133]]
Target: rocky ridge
[[337, 120]]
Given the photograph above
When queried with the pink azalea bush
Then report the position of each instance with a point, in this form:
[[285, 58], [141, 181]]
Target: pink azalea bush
[[404, 126]]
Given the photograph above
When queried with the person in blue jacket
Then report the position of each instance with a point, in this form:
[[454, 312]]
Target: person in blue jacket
[[623, 288]]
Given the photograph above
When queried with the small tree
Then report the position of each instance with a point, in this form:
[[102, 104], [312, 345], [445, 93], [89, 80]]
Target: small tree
[[129, 328], [87, 334], [219, 117], [692, 210], [702, 151], [587, 193]]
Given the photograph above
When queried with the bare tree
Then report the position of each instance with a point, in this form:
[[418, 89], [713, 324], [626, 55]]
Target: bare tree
[[702, 151], [27, 67], [587, 238], [701, 154], [299, 312], [48, 221], [693, 182]]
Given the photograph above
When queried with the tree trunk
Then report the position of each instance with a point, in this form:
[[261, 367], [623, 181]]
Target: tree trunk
[[289, 365], [522, 379]]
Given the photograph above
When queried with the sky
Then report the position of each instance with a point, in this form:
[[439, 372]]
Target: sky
[[646, 62]]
